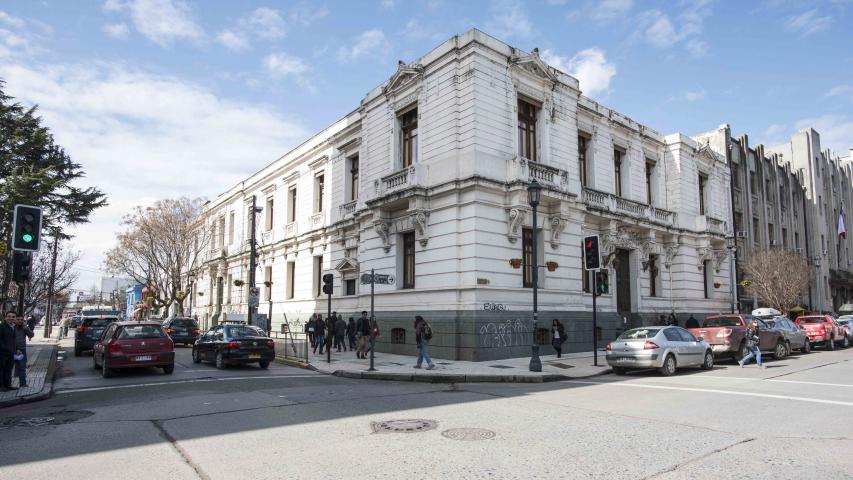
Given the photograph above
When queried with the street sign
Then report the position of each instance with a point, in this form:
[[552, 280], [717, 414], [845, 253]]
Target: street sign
[[254, 296], [378, 279]]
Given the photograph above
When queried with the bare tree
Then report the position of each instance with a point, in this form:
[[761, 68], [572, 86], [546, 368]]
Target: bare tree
[[160, 245], [778, 277], [64, 279]]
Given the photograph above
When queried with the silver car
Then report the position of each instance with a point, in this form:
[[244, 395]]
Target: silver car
[[664, 348], [795, 337], [847, 321]]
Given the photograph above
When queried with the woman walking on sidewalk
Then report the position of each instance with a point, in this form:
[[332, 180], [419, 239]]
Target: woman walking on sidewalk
[[423, 334], [753, 340], [558, 337], [22, 331]]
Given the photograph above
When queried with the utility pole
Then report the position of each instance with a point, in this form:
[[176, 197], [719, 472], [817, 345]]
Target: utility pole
[[47, 324], [252, 254]]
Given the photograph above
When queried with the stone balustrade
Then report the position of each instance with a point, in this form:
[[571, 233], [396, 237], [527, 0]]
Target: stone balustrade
[[630, 208]]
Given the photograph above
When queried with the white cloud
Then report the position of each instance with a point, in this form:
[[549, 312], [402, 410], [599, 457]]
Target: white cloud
[[589, 66], [234, 41], [307, 13], [775, 134], [690, 96], [836, 131], [697, 48], [117, 30], [388, 3], [663, 31], [282, 64], [370, 44], [416, 31], [266, 23], [840, 91], [141, 136], [607, 10], [808, 22], [161, 21], [11, 21], [509, 20]]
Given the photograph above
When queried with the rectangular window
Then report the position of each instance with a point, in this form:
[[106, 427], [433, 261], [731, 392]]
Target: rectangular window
[[269, 214], [820, 204], [585, 275], [771, 233], [736, 178], [617, 171], [785, 238], [703, 181], [231, 228], [753, 183], [582, 146], [738, 222], [267, 283], [228, 289], [350, 286], [409, 138], [756, 233], [353, 178], [650, 167], [527, 257], [318, 275], [291, 204], [319, 190], [706, 267], [796, 240], [409, 260], [221, 240], [653, 275], [526, 130], [291, 279]]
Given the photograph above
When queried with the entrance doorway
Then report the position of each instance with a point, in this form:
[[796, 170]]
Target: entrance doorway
[[622, 264]]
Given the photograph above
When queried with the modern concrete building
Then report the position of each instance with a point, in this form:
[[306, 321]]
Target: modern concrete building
[[426, 181]]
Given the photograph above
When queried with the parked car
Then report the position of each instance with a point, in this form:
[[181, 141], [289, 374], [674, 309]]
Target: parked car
[[89, 332], [234, 344], [846, 321], [664, 348], [823, 329], [795, 337], [133, 345], [182, 330], [727, 336]]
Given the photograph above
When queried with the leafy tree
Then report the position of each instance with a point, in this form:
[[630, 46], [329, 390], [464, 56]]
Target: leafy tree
[[778, 277]]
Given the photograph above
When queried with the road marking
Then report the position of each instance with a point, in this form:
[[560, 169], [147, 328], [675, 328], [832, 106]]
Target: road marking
[[776, 381], [196, 380], [711, 390]]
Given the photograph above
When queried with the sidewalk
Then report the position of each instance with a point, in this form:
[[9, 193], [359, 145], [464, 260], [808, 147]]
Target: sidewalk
[[41, 364], [401, 368]]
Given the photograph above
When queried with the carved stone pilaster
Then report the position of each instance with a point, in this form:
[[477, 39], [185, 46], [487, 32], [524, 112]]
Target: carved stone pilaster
[[704, 253], [558, 224], [720, 256], [383, 230], [516, 219], [670, 252], [419, 221]]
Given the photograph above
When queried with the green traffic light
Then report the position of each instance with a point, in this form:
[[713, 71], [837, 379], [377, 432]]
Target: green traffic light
[[27, 237]]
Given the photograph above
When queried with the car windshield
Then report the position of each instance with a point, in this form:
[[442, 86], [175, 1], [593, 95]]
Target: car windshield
[[99, 322], [723, 322], [132, 332], [243, 331], [639, 334], [770, 323], [183, 323], [811, 320]]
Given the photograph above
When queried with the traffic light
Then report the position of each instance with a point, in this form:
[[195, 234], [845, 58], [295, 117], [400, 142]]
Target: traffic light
[[328, 283], [601, 282], [592, 259], [21, 264], [26, 228]]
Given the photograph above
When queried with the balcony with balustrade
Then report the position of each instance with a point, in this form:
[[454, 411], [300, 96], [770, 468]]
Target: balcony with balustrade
[[609, 202], [523, 169]]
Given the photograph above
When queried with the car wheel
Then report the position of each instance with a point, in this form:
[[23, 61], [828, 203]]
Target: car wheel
[[168, 369], [220, 362], [95, 362], [196, 356], [741, 352], [264, 365], [788, 349], [779, 351], [668, 367], [829, 344], [619, 370], [708, 364], [807, 346], [105, 371], [845, 343]]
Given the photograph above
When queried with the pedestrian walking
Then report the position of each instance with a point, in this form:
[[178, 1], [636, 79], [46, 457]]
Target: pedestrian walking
[[558, 337], [374, 334], [753, 340], [330, 331], [423, 334], [340, 333], [319, 333], [22, 332], [63, 327], [351, 333], [363, 333], [673, 320], [7, 351], [691, 322]]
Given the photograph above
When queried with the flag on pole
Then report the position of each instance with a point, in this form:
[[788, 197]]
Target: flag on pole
[[842, 230]]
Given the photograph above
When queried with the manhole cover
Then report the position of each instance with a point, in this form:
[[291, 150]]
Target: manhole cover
[[468, 434], [560, 365], [57, 418], [404, 426]]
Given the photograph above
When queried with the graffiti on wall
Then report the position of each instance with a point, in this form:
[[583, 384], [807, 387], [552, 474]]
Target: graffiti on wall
[[503, 334]]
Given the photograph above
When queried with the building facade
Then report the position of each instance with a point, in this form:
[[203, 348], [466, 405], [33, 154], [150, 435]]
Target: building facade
[[426, 181]]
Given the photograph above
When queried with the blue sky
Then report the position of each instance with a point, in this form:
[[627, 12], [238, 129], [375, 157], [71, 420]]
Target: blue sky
[[169, 97]]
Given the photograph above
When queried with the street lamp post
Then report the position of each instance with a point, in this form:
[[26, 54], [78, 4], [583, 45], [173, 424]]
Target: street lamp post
[[534, 191], [732, 246], [191, 280], [252, 258]]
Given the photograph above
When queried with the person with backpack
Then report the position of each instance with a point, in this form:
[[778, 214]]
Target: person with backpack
[[558, 337], [753, 339], [423, 334], [363, 332]]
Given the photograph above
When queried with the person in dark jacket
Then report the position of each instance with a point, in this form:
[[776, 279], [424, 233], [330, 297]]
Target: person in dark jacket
[[319, 333], [7, 351], [351, 333], [363, 332], [22, 331], [672, 320], [691, 322], [309, 330], [421, 327], [340, 333], [558, 337], [330, 330], [753, 338]]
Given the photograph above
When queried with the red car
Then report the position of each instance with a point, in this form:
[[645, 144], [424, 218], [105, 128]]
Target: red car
[[134, 345], [823, 329]]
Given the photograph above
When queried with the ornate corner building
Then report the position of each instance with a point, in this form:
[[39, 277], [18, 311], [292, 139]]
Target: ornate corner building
[[426, 181]]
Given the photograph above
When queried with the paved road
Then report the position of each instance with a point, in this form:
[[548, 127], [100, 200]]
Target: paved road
[[792, 420]]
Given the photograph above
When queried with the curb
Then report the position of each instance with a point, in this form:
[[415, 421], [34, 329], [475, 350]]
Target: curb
[[46, 389], [295, 363], [450, 378]]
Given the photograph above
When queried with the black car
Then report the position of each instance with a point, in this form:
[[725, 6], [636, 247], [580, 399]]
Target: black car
[[89, 332], [234, 344], [182, 330]]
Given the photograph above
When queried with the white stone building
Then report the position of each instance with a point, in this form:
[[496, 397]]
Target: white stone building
[[426, 180]]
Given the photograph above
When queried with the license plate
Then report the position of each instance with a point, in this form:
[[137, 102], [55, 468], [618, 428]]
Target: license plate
[[143, 358], [254, 357]]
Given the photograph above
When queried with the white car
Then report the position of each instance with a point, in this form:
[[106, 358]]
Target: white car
[[663, 348]]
